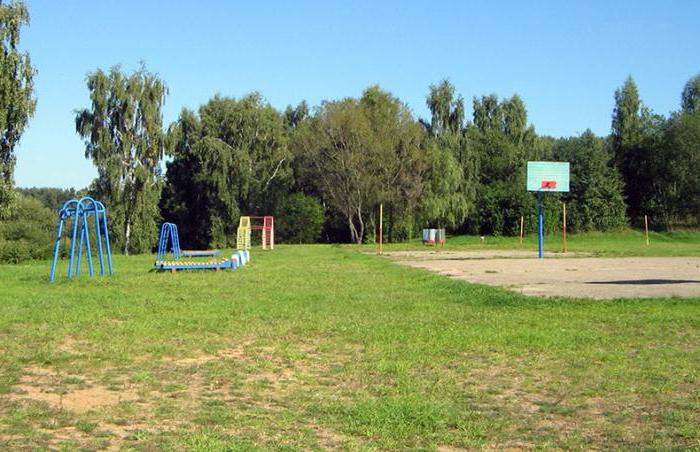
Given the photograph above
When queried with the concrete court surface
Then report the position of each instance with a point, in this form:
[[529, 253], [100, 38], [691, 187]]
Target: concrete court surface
[[570, 275]]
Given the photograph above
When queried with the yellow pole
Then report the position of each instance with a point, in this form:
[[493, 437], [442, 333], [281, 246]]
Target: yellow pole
[[381, 218], [522, 223], [646, 229], [564, 230]]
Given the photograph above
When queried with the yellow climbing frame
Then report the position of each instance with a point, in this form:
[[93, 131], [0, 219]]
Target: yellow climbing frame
[[243, 234]]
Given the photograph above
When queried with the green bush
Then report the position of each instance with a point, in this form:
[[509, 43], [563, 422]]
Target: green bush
[[299, 219], [28, 233], [14, 252]]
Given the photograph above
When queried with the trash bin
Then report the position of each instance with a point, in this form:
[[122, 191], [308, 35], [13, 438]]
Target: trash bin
[[440, 236], [429, 236]]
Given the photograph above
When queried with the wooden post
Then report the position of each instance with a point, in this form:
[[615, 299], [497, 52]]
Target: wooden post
[[522, 223], [646, 229], [381, 221], [564, 229]]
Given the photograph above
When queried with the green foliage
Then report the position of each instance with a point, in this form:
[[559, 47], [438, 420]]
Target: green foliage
[[230, 160], [658, 158], [447, 110], [28, 232], [123, 134], [53, 198], [299, 219], [364, 152], [17, 103], [503, 141], [452, 170], [679, 183], [595, 201], [295, 116], [444, 203], [241, 156], [690, 98], [626, 119], [637, 149]]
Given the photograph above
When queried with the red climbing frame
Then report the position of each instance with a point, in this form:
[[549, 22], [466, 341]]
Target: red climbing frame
[[268, 230]]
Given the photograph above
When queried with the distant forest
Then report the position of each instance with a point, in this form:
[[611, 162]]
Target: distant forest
[[324, 170]]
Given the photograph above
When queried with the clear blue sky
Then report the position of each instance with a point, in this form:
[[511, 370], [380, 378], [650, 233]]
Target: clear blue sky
[[565, 59]]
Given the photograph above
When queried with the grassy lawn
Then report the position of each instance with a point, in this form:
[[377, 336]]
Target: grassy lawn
[[324, 347]]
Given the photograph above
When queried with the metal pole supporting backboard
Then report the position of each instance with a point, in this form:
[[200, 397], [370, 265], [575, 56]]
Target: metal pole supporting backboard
[[540, 226]]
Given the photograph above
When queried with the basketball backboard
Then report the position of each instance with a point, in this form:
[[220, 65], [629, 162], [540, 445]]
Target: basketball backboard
[[548, 176]]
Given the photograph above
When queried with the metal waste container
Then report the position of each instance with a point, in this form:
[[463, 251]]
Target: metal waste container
[[429, 236], [440, 236]]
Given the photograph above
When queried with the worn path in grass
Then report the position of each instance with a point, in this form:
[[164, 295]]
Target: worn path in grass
[[320, 347], [564, 275]]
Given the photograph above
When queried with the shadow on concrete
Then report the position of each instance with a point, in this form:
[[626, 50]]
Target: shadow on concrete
[[647, 282]]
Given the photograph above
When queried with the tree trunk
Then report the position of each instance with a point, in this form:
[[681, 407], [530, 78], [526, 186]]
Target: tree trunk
[[361, 232], [353, 231], [127, 235]]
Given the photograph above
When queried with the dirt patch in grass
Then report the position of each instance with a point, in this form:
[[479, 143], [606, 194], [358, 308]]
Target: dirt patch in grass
[[538, 402], [74, 346], [327, 439], [226, 390], [64, 391], [235, 352]]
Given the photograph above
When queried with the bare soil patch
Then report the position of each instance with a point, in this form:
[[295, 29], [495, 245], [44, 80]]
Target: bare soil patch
[[250, 380], [570, 275], [71, 392]]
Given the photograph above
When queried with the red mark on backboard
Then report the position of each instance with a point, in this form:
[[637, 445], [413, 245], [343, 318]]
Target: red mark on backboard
[[550, 184]]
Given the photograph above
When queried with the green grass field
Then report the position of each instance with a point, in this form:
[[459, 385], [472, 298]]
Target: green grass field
[[324, 347]]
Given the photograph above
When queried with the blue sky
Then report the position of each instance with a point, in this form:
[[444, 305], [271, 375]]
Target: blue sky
[[565, 59]]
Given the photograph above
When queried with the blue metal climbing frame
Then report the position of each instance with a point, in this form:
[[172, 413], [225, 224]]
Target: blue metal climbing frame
[[168, 234], [80, 211]]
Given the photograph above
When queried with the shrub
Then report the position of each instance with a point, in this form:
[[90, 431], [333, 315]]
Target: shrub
[[299, 219], [28, 233]]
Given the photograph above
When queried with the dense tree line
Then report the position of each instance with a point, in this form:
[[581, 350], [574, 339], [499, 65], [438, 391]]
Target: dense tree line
[[323, 171], [53, 198], [658, 157]]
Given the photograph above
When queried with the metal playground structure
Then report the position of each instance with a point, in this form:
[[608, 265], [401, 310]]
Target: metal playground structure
[[238, 259], [169, 236], [247, 224], [80, 212]]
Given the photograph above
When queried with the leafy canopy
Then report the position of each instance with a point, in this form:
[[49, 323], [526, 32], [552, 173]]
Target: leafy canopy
[[123, 134], [17, 102]]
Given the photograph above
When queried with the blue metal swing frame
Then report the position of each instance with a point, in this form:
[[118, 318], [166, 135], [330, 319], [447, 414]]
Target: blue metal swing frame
[[80, 211]]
